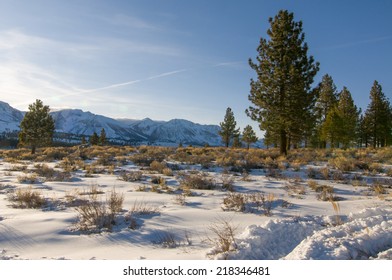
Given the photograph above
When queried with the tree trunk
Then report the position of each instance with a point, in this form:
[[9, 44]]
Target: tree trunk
[[283, 142], [33, 149]]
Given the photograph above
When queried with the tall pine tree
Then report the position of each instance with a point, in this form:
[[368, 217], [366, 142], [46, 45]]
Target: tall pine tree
[[102, 137], [37, 126], [228, 127], [377, 119], [342, 121], [281, 94], [326, 101]]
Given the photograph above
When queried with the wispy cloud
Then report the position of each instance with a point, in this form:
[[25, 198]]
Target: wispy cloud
[[357, 43], [130, 22]]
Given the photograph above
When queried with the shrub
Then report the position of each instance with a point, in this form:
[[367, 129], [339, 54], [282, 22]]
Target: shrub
[[158, 180], [254, 202], [50, 174], [198, 181], [379, 189], [180, 199], [325, 193], [227, 182], [234, 202], [95, 215], [324, 173], [342, 163], [31, 178], [167, 171], [27, 198], [157, 166], [295, 189], [115, 202], [223, 238], [131, 176], [142, 208]]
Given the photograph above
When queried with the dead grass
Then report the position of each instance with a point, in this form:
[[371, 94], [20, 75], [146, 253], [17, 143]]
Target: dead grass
[[26, 198], [223, 237]]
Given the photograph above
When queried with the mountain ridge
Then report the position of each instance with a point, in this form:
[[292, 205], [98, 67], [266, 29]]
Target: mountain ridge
[[72, 124]]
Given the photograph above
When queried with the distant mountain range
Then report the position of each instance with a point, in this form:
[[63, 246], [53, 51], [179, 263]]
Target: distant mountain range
[[72, 124]]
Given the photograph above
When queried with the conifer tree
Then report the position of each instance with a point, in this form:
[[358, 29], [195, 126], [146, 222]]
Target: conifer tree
[[326, 101], [342, 121], [37, 126], [282, 96], [378, 117], [228, 127], [94, 139], [83, 140], [102, 137], [249, 136]]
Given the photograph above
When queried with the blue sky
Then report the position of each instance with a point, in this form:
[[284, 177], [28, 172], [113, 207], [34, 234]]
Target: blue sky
[[166, 59]]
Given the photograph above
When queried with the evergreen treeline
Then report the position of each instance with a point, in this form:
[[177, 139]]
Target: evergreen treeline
[[292, 113]]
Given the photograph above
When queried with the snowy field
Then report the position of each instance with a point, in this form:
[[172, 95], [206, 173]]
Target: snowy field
[[174, 209]]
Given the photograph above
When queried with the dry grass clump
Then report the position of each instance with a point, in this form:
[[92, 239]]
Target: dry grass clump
[[379, 189], [50, 174], [54, 153], [28, 178], [27, 198], [342, 163], [143, 208], [312, 173], [180, 199], [17, 167], [324, 192], [199, 181], [158, 166], [223, 238], [295, 189], [169, 239], [131, 176], [234, 202], [95, 215], [252, 203]]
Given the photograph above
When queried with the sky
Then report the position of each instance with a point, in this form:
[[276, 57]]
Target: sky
[[166, 59]]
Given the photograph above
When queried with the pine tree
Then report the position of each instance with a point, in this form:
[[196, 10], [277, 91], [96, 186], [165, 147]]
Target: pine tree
[[326, 101], [83, 140], [342, 121], [282, 96], [378, 117], [94, 139], [37, 126], [228, 127], [102, 137], [249, 136]]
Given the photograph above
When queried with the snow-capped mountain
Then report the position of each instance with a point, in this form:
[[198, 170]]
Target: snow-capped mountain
[[178, 131], [77, 122], [71, 124], [10, 118]]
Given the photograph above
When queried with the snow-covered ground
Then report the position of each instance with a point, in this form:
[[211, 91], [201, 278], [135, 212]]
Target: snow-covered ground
[[299, 225]]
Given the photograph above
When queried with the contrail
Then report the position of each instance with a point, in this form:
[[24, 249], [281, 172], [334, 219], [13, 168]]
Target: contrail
[[129, 82]]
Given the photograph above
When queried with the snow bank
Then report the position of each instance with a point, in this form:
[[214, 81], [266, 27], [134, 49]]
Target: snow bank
[[367, 234]]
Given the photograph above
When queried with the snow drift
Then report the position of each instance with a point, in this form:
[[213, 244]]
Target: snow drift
[[364, 235]]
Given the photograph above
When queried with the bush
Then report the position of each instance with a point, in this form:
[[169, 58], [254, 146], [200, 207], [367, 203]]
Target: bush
[[223, 238], [27, 198], [95, 215], [197, 181], [234, 202], [343, 164], [131, 176], [157, 166], [31, 178]]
